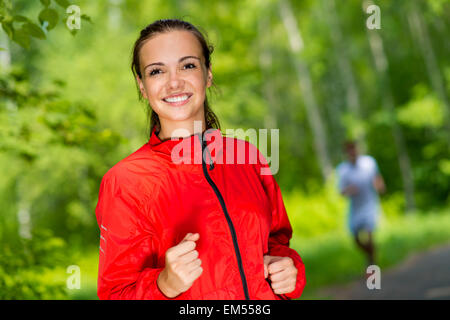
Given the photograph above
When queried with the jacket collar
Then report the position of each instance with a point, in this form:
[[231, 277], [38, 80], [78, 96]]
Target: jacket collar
[[188, 149]]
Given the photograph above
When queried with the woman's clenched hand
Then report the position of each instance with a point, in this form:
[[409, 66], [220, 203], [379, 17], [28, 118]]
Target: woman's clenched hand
[[281, 272], [182, 267]]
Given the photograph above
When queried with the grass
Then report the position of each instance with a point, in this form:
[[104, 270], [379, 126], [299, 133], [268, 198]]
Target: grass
[[88, 263]]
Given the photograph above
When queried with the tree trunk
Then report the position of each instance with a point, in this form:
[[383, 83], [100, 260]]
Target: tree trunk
[[305, 84], [114, 14], [23, 215], [381, 64], [345, 68], [265, 61], [5, 54], [420, 33]]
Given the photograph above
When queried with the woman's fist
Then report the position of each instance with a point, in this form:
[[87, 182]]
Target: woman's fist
[[182, 268], [282, 273]]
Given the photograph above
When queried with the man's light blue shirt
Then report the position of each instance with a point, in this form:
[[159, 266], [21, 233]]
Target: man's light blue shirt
[[363, 211]]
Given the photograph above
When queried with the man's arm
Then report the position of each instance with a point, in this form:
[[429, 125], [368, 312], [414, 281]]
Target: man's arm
[[378, 184]]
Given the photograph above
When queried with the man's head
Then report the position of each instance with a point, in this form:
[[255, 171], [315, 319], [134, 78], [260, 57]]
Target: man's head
[[351, 150]]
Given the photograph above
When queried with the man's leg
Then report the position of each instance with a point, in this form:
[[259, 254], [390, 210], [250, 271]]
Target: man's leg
[[367, 247], [370, 248], [359, 242]]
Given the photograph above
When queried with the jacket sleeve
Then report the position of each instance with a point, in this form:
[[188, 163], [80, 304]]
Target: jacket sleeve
[[128, 246], [281, 231]]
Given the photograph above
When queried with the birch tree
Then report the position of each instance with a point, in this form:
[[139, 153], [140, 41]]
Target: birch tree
[[114, 14], [265, 62], [382, 66], [345, 69], [306, 87], [420, 33], [5, 53]]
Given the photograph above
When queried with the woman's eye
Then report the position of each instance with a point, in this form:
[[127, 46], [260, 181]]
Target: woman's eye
[[190, 65], [154, 71]]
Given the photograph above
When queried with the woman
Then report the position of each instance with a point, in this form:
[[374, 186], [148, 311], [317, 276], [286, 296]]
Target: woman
[[191, 227]]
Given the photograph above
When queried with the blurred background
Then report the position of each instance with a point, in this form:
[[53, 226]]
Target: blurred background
[[320, 71]]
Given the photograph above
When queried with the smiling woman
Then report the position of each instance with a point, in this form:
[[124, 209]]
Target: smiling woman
[[186, 230], [174, 82], [171, 64]]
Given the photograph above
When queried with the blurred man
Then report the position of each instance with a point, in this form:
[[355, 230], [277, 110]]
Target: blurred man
[[361, 181]]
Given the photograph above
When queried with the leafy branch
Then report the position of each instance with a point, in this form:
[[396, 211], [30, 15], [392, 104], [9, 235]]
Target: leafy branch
[[21, 29]]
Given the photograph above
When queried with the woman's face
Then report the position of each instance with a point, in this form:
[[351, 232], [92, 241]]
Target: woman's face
[[174, 78]]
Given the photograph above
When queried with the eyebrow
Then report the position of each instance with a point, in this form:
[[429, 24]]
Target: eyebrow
[[180, 60]]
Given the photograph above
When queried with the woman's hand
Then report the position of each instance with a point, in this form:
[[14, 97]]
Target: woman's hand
[[182, 267], [281, 272]]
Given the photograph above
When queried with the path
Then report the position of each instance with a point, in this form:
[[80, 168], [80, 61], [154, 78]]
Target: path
[[423, 276]]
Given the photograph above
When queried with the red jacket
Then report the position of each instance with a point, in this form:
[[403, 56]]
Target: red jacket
[[148, 202]]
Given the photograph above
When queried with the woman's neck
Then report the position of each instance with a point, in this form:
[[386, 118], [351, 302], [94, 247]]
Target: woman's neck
[[181, 130]]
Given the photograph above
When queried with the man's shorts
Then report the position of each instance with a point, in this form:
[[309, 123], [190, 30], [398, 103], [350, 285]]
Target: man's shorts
[[362, 223]]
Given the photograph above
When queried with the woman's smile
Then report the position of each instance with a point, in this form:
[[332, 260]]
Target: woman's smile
[[178, 100]]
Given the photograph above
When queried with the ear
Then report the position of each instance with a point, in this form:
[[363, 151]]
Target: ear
[[209, 78], [141, 87]]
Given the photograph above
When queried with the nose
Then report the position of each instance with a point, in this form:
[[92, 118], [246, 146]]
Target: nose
[[175, 81]]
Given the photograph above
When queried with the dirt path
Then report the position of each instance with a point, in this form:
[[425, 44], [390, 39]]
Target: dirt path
[[422, 276]]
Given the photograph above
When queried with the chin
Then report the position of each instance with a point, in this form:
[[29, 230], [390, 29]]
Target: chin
[[181, 114], [179, 117]]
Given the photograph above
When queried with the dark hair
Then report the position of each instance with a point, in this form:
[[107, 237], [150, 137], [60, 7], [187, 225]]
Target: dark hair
[[163, 26], [349, 144]]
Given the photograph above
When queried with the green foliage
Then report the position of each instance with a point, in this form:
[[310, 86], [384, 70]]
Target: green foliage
[[24, 268], [49, 16], [315, 213], [63, 3], [38, 129], [21, 29], [45, 3], [423, 110]]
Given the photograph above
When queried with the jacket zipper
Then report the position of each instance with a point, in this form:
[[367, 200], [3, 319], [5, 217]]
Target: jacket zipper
[[227, 216]]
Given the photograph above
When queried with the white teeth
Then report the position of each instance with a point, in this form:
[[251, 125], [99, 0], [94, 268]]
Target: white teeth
[[177, 99]]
